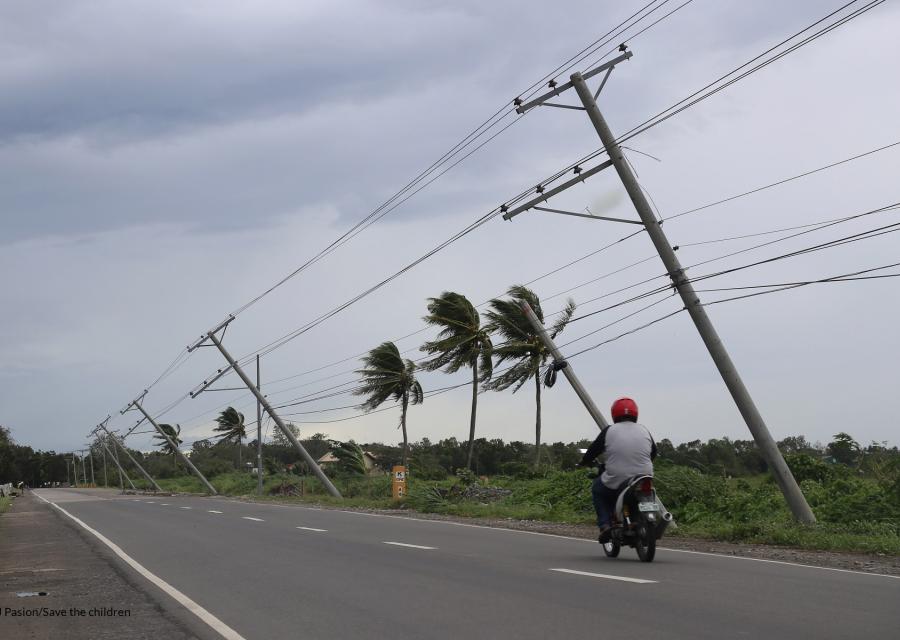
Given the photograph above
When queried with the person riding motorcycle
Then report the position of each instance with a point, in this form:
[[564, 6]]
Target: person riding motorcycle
[[629, 449]]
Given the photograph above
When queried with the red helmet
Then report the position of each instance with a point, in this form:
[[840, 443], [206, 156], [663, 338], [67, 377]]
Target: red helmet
[[624, 409]]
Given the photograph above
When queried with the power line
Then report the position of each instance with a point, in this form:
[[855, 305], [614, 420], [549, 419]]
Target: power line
[[419, 182], [782, 181], [810, 227], [865, 235], [628, 237], [659, 118], [699, 95]]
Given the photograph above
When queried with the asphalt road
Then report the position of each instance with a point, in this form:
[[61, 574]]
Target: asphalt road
[[276, 571]]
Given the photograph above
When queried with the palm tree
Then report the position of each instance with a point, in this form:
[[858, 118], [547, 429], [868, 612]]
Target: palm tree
[[164, 445], [387, 375], [522, 346], [350, 457], [231, 426], [462, 342]]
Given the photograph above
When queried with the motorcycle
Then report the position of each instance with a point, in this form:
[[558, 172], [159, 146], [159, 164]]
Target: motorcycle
[[639, 520]]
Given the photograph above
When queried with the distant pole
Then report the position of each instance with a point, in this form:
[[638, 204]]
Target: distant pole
[[74, 471], [91, 453], [115, 459], [325, 480], [68, 479], [131, 457], [259, 478], [83, 467], [105, 477], [137, 404]]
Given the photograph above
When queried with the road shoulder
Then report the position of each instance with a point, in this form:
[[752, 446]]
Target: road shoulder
[[89, 592]]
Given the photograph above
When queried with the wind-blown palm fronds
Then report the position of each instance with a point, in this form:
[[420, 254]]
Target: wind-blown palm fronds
[[350, 457], [231, 426], [164, 445], [387, 375], [462, 342], [522, 346]]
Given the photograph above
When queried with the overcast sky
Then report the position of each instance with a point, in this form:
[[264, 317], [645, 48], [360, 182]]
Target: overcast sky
[[162, 163]]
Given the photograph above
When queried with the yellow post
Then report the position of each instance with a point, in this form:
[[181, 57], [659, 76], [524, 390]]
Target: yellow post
[[398, 482]]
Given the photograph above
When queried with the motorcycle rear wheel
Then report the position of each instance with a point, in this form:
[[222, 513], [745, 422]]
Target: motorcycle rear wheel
[[611, 549], [645, 544]]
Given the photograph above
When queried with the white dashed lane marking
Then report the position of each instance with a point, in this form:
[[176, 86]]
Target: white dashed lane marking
[[313, 529], [412, 546], [213, 511], [603, 575], [184, 507], [252, 518]]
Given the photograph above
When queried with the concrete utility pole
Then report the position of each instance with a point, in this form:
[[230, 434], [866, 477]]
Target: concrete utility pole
[[83, 466], [259, 478], [136, 403], [580, 391], [75, 470], [783, 476], [211, 336], [122, 473], [103, 453], [91, 454], [68, 479], [150, 479]]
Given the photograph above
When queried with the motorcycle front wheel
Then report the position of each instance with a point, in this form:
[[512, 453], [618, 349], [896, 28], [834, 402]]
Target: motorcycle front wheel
[[611, 549], [645, 543]]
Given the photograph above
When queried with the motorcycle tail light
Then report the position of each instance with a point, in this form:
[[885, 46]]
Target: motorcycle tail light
[[646, 485]]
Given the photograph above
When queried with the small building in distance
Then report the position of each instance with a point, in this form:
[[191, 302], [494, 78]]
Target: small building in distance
[[371, 462]]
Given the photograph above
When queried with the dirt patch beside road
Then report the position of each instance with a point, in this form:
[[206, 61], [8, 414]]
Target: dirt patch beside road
[[88, 593]]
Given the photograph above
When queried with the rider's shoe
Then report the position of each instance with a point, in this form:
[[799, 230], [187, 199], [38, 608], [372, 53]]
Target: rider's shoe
[[604, 536]]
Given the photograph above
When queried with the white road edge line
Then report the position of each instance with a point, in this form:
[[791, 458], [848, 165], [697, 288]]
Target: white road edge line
[[313, 529], [603, 575], [790, 564], [412, 546], [213, 511], [220, 627], [252, 518]]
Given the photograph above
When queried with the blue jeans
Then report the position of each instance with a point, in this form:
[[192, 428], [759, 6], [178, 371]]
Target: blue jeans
[[604, 502]]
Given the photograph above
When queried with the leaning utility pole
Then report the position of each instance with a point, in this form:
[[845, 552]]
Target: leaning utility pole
[[105, 477], [232, 364], [102, 425], [259, 478], [783, 476], [579, 389], [136, 403], [115, 458]]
